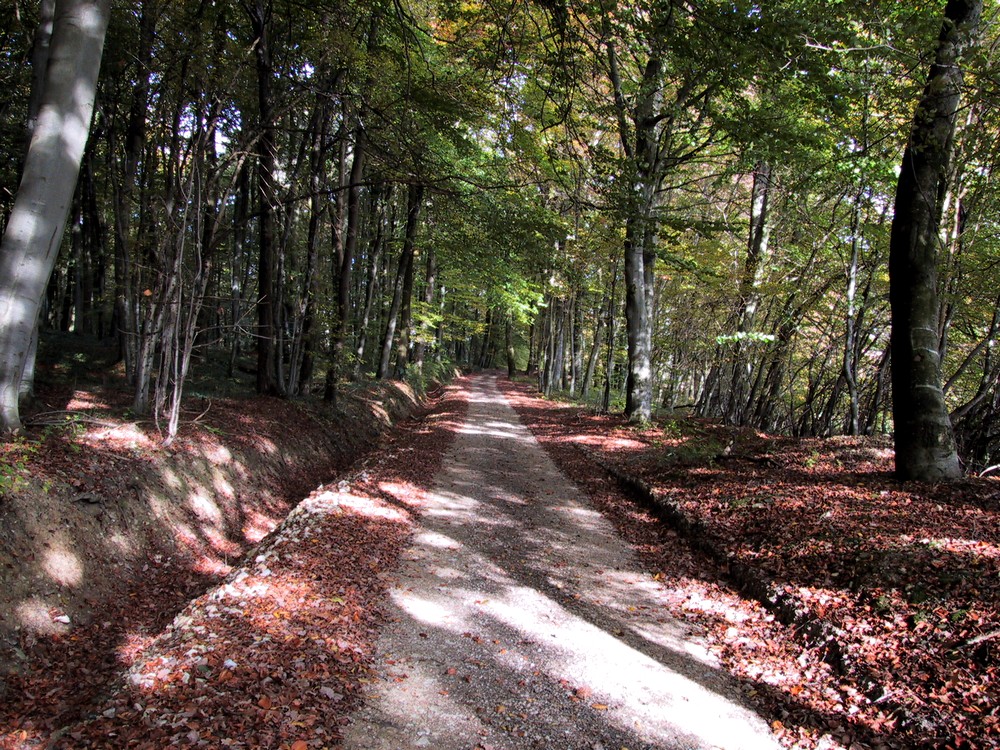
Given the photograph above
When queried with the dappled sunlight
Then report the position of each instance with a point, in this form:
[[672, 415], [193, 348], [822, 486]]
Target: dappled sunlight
[[429, 612], [609, 442], [123, 545], [130, 531], [220, 543], [217, 454], [427, 538], [84, 400], [257, 526], [170, 478], [41, 616], [222, 486], [204, 507], [212, 567], [516, 594], [63, 566], [126, 436], [970, 547], [486, 431], [367, 506]]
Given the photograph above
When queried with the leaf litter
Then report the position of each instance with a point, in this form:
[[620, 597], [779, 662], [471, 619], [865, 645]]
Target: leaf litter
[[858, 611], [273, 656]]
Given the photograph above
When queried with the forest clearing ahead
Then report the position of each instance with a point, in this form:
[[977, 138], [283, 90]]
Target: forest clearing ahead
[[853, 610]]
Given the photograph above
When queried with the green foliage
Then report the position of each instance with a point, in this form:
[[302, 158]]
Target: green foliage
[[14, 471]]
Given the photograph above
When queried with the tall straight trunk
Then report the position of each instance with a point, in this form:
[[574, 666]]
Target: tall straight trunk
[[638, 325], [640, 237], [259, 12], [311, 287], [484, 360], [595, 351], [545, 350], [850, 334], [737, 403], [35, 229], [559, 348], [380, 197], [576, 377], [414, 202], [532, 348], [350, 245], [508, 334], [237, 283], [39, 62], [611, 317], [925, 442], [414, 198], [430, 280]]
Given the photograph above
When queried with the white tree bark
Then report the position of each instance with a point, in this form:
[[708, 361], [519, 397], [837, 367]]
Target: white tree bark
[[38, 218]]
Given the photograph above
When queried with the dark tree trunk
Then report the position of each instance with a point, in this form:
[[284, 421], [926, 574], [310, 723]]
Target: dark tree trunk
[[346, 264], [509, 347], [380, 197], [413, 200], [430, 282], [925, 443], [259, 12]]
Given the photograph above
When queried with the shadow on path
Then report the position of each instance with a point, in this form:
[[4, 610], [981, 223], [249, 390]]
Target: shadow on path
[[522, 621]]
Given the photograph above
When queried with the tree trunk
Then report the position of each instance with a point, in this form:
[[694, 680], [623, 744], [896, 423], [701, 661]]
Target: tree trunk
[[35, 228], [508, 332], [380, 197], [925, 443], [259, 12], [595, 349], [413, 200], [350, 246], [39, 62], [737, 402], [611, 326], [311, 286], [430, 281], [638, 326], [850, 369], [416, 199]]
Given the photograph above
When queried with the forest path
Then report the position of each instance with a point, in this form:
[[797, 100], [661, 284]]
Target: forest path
[[521, 620]]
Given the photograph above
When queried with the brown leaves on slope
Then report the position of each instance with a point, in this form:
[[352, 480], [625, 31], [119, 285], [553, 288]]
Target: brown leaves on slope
[[890, 591], [272, 657]]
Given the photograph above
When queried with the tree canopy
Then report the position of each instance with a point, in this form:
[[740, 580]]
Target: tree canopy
[[666, 205]]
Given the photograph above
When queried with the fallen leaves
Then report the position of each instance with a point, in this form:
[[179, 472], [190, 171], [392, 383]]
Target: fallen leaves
[[885, 586], [273, 657]]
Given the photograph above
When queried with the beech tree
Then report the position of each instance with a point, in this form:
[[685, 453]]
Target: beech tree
[[35, 229], [925, 443], [656, 206]]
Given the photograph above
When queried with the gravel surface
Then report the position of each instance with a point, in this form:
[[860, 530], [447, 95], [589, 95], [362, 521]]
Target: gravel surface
[[520, 620]]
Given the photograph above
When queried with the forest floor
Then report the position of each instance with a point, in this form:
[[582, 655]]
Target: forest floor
[[853, 611], [521, 620], [857, 610], [110, 545]]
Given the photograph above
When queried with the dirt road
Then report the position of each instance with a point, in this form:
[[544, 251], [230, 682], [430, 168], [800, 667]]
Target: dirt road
[[520, 620]]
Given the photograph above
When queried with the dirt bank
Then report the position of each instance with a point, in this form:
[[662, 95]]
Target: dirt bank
[[97, 521]]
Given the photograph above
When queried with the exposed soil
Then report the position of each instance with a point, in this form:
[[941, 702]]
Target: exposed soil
[[105, 536]]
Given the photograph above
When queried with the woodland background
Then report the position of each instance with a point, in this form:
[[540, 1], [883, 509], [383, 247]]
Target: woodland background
[[343, 190]]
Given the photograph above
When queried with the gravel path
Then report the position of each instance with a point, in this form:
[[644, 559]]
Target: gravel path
[[520, 620]]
